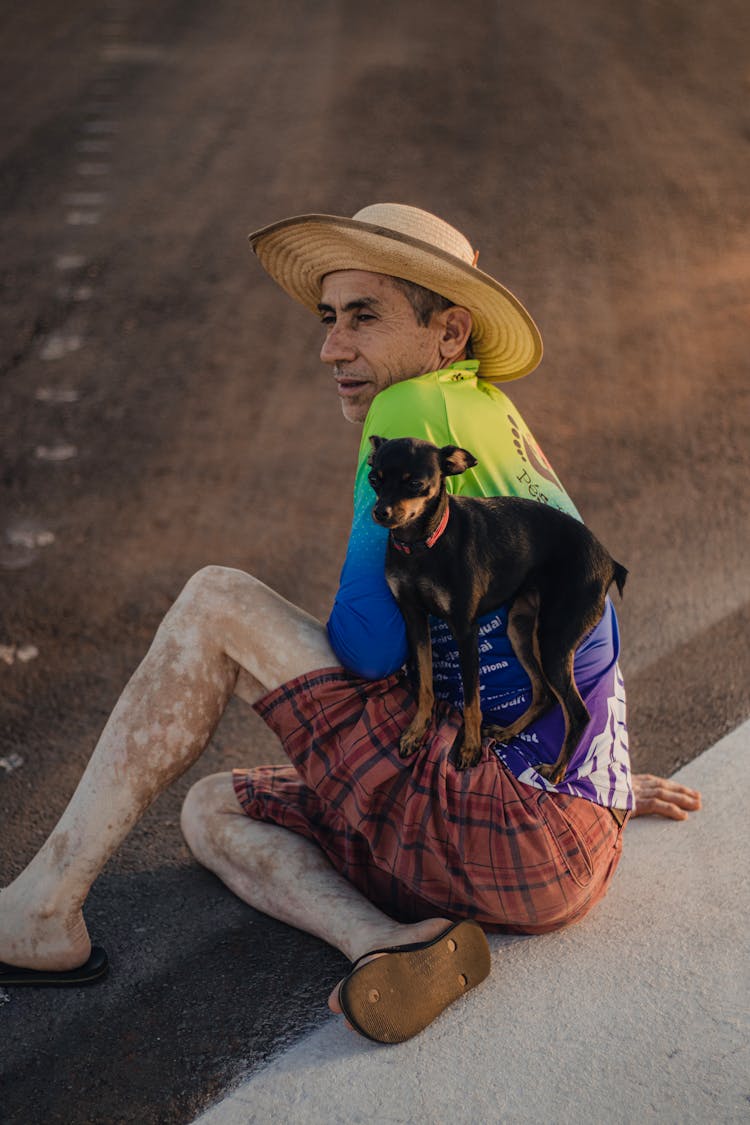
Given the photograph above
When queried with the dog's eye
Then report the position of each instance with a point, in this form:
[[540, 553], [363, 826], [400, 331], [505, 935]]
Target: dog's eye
[[416, 486], [373, 478]]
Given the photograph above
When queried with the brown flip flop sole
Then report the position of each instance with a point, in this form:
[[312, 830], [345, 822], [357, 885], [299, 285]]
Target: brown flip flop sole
[[396, 996]]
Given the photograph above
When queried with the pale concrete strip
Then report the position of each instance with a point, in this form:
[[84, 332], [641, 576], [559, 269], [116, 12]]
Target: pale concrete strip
[[641, 1013]]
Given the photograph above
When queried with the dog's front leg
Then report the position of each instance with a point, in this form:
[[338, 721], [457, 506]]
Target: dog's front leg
[[470, 750], [418, 633]]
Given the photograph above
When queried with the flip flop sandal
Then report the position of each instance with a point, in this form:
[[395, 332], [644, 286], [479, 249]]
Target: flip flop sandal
[[394, 997], [93, 970]]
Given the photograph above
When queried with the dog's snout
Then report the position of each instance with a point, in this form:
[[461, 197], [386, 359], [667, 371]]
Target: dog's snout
[[382, 513]]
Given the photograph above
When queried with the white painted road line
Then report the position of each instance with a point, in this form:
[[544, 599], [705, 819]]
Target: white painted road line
[[640, 1012]]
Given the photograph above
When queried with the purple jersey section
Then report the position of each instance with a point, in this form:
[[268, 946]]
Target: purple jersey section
[[600, 768]]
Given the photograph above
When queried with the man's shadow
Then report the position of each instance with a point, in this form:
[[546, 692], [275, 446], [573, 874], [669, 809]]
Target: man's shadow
[[202, 989]]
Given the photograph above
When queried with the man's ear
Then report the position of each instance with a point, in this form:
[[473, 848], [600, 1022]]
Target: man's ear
[[454, 460], [456, 330], [376, 443]]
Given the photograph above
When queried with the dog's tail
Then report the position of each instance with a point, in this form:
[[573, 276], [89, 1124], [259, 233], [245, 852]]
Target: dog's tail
[[619, 576]]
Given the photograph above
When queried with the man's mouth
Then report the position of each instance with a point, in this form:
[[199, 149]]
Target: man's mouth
[[349, 384]]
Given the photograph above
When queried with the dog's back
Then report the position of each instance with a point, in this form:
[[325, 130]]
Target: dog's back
[[495, 547]]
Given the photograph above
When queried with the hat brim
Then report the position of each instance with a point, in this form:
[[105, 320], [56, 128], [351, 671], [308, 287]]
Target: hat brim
[[299, 252]]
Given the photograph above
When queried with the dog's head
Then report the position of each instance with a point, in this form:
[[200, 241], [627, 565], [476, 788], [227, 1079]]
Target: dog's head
[[407, 475]]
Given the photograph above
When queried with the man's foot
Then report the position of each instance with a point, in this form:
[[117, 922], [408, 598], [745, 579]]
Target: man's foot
[[40, 937], [92, 970], [394, 993]]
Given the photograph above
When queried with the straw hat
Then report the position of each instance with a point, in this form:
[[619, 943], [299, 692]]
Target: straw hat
[[401, 241]]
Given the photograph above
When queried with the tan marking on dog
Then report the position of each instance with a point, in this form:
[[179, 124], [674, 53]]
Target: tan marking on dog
[[412, 737], [393, 585], [435, 594], [472, 741], [412, 508]]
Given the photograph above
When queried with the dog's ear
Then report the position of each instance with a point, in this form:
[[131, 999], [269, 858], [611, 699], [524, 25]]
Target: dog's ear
[[454, 460], [376, 443]]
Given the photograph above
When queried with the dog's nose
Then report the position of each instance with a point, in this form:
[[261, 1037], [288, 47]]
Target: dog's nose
[[381, 513]]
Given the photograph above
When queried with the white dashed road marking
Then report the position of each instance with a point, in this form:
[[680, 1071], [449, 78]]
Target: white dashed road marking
[[102, 127], [60, 344], [93, 146], [9, 763], [56, 394], [61, 452], [82, 218], [85, 199], [10, 653], [66, 262], [25, 537], [77, 293], [82, 210]]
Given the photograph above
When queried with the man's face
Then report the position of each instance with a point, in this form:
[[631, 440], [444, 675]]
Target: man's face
[[372, 338]]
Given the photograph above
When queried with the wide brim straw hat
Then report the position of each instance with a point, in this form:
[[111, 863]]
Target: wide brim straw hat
[[402, 241]]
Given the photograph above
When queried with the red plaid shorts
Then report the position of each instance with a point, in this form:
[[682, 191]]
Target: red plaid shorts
[[417, 837]]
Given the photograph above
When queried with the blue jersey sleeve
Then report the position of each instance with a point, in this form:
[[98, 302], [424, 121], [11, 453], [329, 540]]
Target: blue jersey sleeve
[[365, 628]]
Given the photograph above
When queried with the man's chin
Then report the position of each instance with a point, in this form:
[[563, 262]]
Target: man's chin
[[355, 412]]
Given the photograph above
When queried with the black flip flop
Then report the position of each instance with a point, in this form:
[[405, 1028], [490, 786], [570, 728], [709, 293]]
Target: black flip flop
[[394, 997], [93, 970]]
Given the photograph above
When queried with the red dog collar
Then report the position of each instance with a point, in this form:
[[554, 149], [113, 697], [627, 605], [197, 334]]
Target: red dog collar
[[423, 544]]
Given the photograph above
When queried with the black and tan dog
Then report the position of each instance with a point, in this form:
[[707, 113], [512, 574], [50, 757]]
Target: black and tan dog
[[458, 558]]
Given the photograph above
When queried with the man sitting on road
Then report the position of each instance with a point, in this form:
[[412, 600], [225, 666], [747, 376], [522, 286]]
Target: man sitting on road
[[350, 842]]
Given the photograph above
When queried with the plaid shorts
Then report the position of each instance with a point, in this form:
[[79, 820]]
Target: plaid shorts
[[417, 837]]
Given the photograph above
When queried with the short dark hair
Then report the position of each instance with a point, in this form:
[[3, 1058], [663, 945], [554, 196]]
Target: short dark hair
[[425, 304]]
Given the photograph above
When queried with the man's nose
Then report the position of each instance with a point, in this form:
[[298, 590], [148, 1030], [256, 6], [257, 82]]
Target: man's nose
[[337, 346]]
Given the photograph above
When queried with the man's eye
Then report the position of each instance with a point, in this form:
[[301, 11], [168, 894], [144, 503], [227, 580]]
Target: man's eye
[[328, 318], [364, 316]]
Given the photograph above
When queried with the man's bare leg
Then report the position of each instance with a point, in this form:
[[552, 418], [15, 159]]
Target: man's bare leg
[[286, 875], [223, 621]]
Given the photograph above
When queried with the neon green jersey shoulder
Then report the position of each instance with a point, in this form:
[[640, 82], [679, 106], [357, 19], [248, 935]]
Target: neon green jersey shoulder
[[454, 407]]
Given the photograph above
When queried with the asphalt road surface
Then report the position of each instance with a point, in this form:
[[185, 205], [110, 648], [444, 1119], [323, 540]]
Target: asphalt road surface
[[162, 407]]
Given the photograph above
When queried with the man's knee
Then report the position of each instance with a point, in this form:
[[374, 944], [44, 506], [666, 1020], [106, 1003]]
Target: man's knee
[[215, 587], [209, 600], [206, 803]]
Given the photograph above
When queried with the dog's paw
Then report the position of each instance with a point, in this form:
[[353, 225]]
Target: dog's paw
[[468, 756], [553, 773], [500, 734], [410, 742]]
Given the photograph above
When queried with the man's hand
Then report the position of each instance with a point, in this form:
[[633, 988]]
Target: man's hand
[[658, 796]]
